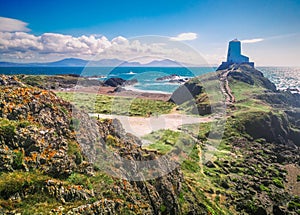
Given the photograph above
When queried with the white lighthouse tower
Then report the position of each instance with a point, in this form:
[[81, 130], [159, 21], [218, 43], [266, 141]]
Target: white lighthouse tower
[[234, 55]]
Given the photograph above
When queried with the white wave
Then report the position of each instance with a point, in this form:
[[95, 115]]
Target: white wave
[[130, 73], [132, 88]]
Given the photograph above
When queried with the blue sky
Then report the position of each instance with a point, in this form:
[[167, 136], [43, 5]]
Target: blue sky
[[275, 24]]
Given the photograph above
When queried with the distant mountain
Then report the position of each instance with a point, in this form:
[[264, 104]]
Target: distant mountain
[[68, 62], [163, 63], [106, 62], [75, 62]]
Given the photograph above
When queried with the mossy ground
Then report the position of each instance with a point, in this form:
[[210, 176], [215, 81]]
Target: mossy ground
[[217, 185], [233, 159], [117, 105], [37, 201]]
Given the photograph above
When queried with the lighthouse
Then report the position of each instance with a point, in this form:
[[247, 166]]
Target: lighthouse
[[234, 56]]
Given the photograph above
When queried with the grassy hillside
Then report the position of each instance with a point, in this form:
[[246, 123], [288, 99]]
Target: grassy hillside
[[247, 171], [252, 169], [116, 104]]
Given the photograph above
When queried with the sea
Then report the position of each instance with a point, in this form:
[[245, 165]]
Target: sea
[[285, 78]]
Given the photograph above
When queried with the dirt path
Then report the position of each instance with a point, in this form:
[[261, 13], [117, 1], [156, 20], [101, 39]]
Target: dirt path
[[225, 87], [140, 126], [292, 185]]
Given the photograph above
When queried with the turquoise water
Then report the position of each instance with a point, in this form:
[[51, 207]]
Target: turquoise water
[[146, 76], [283, 77]]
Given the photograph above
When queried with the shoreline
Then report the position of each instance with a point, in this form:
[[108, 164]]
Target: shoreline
[[111, 91]]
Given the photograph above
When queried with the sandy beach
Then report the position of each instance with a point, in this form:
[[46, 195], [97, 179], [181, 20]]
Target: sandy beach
[[110, 91], [140, 126]]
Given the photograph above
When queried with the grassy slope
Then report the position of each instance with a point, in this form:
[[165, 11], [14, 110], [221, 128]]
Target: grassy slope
[[214, 184], [117, 105], [210, 185]]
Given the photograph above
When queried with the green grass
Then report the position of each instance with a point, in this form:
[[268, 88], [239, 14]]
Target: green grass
[[17, 159], [167, 136], [8, 128], [242, 91], [298, 178], [16, 181], [160, 147], [200, 131], [245, 97], [264, 188], [33, 80], [164, 141], [38, 202], [74, 150], [278, 182], [116, 104], [80, 179], [293, 205]]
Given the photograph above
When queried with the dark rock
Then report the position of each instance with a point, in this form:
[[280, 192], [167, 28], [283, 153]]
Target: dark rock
[[119, 89], [210, 164], [179, 81], [116, 82], [240, 76], [130, 82], [278, 129], [277, 210], [185, 93], [261, 211], [168, 77], [224, 184]]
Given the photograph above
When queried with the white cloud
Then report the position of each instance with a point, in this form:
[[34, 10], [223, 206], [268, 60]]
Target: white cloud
[[185, 36], [12, 25], [119, 40], [52, 44], [256, 40], [25, 47], [17, 45]]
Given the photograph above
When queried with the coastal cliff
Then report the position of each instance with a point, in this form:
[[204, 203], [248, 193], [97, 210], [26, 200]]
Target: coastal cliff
[[253, 170], [256, 167], [44, 169]]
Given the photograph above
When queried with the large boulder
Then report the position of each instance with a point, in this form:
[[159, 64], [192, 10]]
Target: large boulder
[[116, 82]]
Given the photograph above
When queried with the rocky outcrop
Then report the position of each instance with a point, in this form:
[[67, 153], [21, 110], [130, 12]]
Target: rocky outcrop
[[192, 98], [36, 127], [262, 133], [116, 82], [51, 152], [274, 128], [42, 133], [186, 92], [173, 79], [281, 99], [250, 75], [168, 77], [10, 81], [57, 82], [66, 193]]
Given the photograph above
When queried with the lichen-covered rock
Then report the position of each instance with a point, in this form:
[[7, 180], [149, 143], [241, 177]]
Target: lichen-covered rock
[[41, 132], [36, 127], [66, 193]]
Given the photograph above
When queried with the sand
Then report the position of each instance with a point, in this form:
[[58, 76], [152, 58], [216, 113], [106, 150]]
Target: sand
[[110, 92], [140, 126]]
